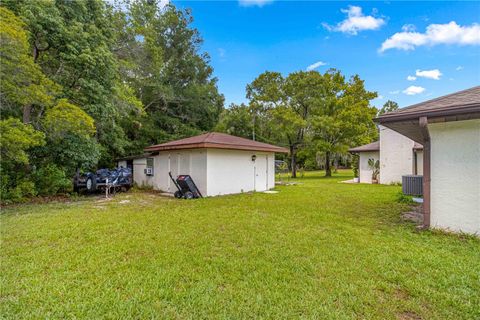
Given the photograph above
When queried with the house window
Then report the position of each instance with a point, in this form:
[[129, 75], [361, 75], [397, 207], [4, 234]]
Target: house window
[[149, 168]]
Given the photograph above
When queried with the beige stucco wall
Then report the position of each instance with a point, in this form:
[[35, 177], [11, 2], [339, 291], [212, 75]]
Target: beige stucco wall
[[455, 175], [365, 172], [396, 156], [233, 171], [122, 163], [191, 162], [419, 162], [139, 176]]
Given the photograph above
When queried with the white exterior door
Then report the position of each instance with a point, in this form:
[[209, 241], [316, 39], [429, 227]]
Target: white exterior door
[[260, 172]]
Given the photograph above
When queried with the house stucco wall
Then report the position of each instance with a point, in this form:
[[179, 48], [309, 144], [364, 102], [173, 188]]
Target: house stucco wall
[[419, 162], [122, 163], [214, 171], [139, 176], [191, 162], [233, 171], [396, 156], [455, 175], [365, 172]]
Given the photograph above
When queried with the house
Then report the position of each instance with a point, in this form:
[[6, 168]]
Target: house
[[449, 130], [398, 156], [218, 163]]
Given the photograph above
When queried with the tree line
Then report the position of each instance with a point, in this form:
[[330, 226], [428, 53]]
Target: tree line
[[86, 82], [316, 116]]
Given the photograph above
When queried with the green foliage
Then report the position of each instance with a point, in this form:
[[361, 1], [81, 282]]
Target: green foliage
[[66, 118], [343, 116], [288, 102], [236, 120], [15, 140], [70, 153], [374, 165], [50, 180], [23, 82], [161, 62], [402, 198], [99, 80], [355, 165], [388, 106], [22, 190]]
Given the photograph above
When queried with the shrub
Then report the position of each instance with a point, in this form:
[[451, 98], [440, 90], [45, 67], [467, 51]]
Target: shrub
[[23, 189], [355, 165], [402, 198], [50, 180]]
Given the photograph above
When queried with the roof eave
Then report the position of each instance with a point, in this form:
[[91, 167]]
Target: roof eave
[[215, 146], [466, 109]]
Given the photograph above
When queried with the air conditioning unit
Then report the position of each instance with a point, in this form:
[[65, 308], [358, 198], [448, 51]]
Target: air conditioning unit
[[412, 185], [149, 171]]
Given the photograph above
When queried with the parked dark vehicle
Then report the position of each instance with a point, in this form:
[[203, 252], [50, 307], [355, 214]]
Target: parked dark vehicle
[[116, 180]]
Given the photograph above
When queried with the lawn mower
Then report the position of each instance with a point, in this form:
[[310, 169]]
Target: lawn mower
[[186, 187]]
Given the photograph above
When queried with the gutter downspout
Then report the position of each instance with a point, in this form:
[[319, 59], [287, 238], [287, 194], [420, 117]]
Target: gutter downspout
[[423, 122]]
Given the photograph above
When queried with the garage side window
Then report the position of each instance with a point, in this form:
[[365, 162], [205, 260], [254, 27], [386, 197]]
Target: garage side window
[[149, 169]]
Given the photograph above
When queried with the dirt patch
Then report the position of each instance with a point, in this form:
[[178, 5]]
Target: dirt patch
[[401, 294]]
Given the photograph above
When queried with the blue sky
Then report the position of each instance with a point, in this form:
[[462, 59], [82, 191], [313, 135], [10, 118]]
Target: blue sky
[[435, 44]]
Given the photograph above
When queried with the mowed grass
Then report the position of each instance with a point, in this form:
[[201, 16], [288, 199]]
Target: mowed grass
[[320, 249]]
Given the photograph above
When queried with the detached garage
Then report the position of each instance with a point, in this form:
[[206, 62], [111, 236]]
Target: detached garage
[[218, 163]]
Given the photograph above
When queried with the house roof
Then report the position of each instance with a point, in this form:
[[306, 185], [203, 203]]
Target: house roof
[[461, 102], [375, 146], [218, 141], [458, 106]]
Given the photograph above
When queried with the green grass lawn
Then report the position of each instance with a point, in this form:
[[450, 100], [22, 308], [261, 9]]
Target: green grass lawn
[[319, 249]]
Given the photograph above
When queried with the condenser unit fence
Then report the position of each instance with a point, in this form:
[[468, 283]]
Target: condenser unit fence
[[412, 185]]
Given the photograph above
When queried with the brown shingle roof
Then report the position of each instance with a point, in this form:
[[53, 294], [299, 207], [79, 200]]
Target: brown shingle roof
[[461, 102], [374, 146], [218, 141]]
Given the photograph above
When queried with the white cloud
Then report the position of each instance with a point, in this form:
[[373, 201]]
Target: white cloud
[[252, 3], [434, 74], [413, 90], [315, 65], [395, 92], [356, 21], [380, 97], [435, 34], [411, 78], [459, 68]]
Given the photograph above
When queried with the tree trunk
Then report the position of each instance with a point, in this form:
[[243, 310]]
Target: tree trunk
[[293, 160], [27, 114], [328, 169]]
